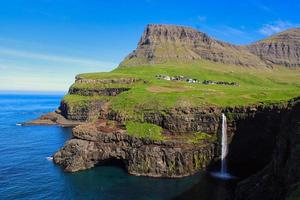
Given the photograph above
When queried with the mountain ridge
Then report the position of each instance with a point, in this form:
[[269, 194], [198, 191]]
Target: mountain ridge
[[161, 43], [282, 48]]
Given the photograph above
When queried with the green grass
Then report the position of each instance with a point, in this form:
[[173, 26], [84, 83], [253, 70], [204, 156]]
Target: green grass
[[200, 136], [78, 100], [144, 130], [256, 86]]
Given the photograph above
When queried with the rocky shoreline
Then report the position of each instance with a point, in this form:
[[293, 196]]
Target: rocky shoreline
[[273, 129], [94, 144], [53, 118]]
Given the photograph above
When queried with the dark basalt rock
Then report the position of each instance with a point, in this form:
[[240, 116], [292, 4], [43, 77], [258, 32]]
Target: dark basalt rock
[[247, 127], [143, 157], [100, 91], [86, 112], [185, 120], [53, 118], [280, 179], [127, 81]]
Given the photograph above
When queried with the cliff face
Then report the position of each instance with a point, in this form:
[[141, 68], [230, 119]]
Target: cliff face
[[281, 49], [95, 144], [262, 138], [280, 179], [88, 111], [256, 126], [161, 43]]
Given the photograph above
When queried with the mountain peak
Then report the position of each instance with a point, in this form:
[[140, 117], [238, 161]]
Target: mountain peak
[[162, 43], [280, 49], [292, 34], [161, 33]]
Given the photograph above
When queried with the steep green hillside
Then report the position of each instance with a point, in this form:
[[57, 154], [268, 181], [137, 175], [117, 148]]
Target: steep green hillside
[[133, 88], [149, 93]]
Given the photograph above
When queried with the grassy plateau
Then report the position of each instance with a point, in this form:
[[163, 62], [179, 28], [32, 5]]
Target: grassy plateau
[[149, 94]]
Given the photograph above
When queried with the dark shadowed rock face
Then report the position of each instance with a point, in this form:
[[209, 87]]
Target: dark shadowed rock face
[[180, 120], [280, 179], [247, 127], [161, 43], [98, 91], [281, 49], [88, 111], [92, 145]]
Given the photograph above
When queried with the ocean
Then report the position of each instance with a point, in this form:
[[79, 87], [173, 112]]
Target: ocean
[[27, 171]]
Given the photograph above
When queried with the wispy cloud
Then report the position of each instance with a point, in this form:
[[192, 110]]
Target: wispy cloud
[[275, 27], [265, 8], [227, 33], [202, 18], [55, 58]]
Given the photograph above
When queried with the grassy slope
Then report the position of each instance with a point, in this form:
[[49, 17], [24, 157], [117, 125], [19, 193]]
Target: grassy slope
[[144, 130], [255, 86]]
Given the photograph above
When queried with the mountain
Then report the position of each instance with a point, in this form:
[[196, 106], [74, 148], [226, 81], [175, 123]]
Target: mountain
[[165, 43], [282, 48], [162, 116]]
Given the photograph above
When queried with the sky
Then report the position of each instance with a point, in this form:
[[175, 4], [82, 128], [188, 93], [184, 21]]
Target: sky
[[45, 43]]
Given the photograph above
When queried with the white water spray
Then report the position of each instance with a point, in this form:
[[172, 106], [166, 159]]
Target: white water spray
[[224, 145], [223, 174]]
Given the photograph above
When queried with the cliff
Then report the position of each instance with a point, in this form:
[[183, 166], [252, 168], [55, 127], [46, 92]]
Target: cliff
[[280, 178], [100, 142], [281, 49], [162, 43], [186, 115], [165, 43], [95, 144]]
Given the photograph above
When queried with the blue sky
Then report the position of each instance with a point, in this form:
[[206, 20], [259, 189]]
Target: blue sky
[[45, 43]]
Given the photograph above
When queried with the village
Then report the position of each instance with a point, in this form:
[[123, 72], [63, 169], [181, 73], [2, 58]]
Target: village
[[192, 80]]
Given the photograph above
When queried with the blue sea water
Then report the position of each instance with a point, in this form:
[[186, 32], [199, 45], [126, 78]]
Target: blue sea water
[[26, 173]]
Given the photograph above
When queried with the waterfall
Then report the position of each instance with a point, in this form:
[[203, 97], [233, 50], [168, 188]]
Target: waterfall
[[224, 145], [223, 174]]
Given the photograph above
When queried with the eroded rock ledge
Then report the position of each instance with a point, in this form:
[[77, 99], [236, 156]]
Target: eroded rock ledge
[[94, 144], [100, 91], [53, 118]]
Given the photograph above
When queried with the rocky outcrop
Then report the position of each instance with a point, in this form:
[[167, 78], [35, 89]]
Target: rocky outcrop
[[53, 118], [84, 111], [280, 179], [180, 120], [247, 127], [123, 80], [169, 43], [162, 43], [97, 91], [280, 49], [95, 144]]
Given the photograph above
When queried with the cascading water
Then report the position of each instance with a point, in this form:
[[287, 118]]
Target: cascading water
[[223, 174], [224, 145]]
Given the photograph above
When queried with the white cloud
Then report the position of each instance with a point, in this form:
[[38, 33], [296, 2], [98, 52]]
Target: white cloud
[[275, 27], [56, 58]]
